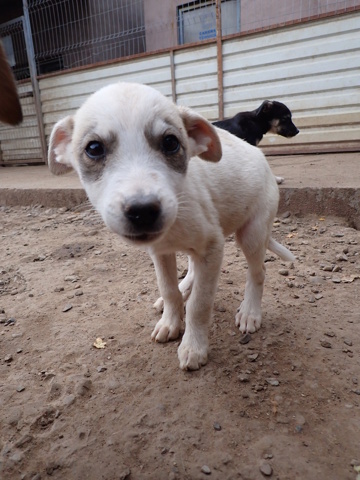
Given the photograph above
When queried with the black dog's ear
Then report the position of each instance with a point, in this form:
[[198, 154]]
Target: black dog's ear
[[265, 107]]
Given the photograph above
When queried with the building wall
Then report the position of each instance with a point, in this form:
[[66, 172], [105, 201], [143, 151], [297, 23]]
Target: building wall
[[162, 28], [161, 24]]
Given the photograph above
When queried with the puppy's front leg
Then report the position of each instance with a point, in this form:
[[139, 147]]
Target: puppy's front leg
[[193, 350], [169, 326], [185, 287]]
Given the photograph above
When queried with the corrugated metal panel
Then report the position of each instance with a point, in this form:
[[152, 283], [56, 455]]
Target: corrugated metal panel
[[61, 95], [313, 68], [196, 79], [22, 143]]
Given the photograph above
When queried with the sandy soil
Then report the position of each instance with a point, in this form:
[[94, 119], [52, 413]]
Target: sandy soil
[[284, 405]]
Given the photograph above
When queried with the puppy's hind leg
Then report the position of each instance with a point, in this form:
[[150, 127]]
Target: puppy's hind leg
[[170, 324], [253, 243]]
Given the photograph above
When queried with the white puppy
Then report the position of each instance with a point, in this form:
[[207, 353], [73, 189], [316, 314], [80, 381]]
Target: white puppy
[[152, 170]]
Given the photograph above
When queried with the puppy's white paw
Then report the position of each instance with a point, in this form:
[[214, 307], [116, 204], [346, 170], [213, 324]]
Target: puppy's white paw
[[166, 330], [192, 356], [159, 305], [248, 321], [280, 180]]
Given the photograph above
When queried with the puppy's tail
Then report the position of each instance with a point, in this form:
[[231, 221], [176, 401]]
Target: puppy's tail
[[280, 250]]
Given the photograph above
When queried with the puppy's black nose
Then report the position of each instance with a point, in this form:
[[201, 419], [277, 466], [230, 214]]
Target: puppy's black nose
[[143, 212]]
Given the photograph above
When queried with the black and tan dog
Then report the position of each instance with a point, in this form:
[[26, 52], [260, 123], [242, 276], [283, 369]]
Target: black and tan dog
[[271, 116]]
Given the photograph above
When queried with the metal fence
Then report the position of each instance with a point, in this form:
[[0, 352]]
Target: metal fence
[[12, 36], [68, 34]]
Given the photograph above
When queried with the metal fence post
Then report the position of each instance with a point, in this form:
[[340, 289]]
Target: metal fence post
[[34, 80], [219, 60]]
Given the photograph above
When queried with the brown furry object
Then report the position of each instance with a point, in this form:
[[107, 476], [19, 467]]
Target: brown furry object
[[10, 108]]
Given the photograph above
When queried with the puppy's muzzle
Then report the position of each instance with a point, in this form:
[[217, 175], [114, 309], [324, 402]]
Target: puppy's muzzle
[[289, 131], [143, 216]]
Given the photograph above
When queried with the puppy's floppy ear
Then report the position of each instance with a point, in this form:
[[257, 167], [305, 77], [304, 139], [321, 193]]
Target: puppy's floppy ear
[[265, 107], [203, 139], [59, 154]]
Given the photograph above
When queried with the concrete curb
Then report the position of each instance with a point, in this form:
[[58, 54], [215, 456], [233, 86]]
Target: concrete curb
[[341, 202], [48, 197]]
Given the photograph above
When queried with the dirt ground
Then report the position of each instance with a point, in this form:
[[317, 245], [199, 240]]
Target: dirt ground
[[285, 405]]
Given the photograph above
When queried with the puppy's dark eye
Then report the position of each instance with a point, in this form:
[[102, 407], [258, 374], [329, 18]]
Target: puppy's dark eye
[[95, 150], [170, 145]]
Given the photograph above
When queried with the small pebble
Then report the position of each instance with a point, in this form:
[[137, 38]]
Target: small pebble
[[328, 268], [273, 382], [325, 344], [217, 426], [10, 322], [284, 272], [252, 357], [266, 469], [71, 278], [205, 469], [67, 307], [101, 369], [20, 388], [245, 339]]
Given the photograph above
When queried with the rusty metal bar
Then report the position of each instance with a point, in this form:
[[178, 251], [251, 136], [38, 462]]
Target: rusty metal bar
[[34, 80], [219, 60], [173, 79]]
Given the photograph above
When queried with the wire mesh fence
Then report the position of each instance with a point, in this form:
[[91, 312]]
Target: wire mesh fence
[[68, 34], [12, 36]]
